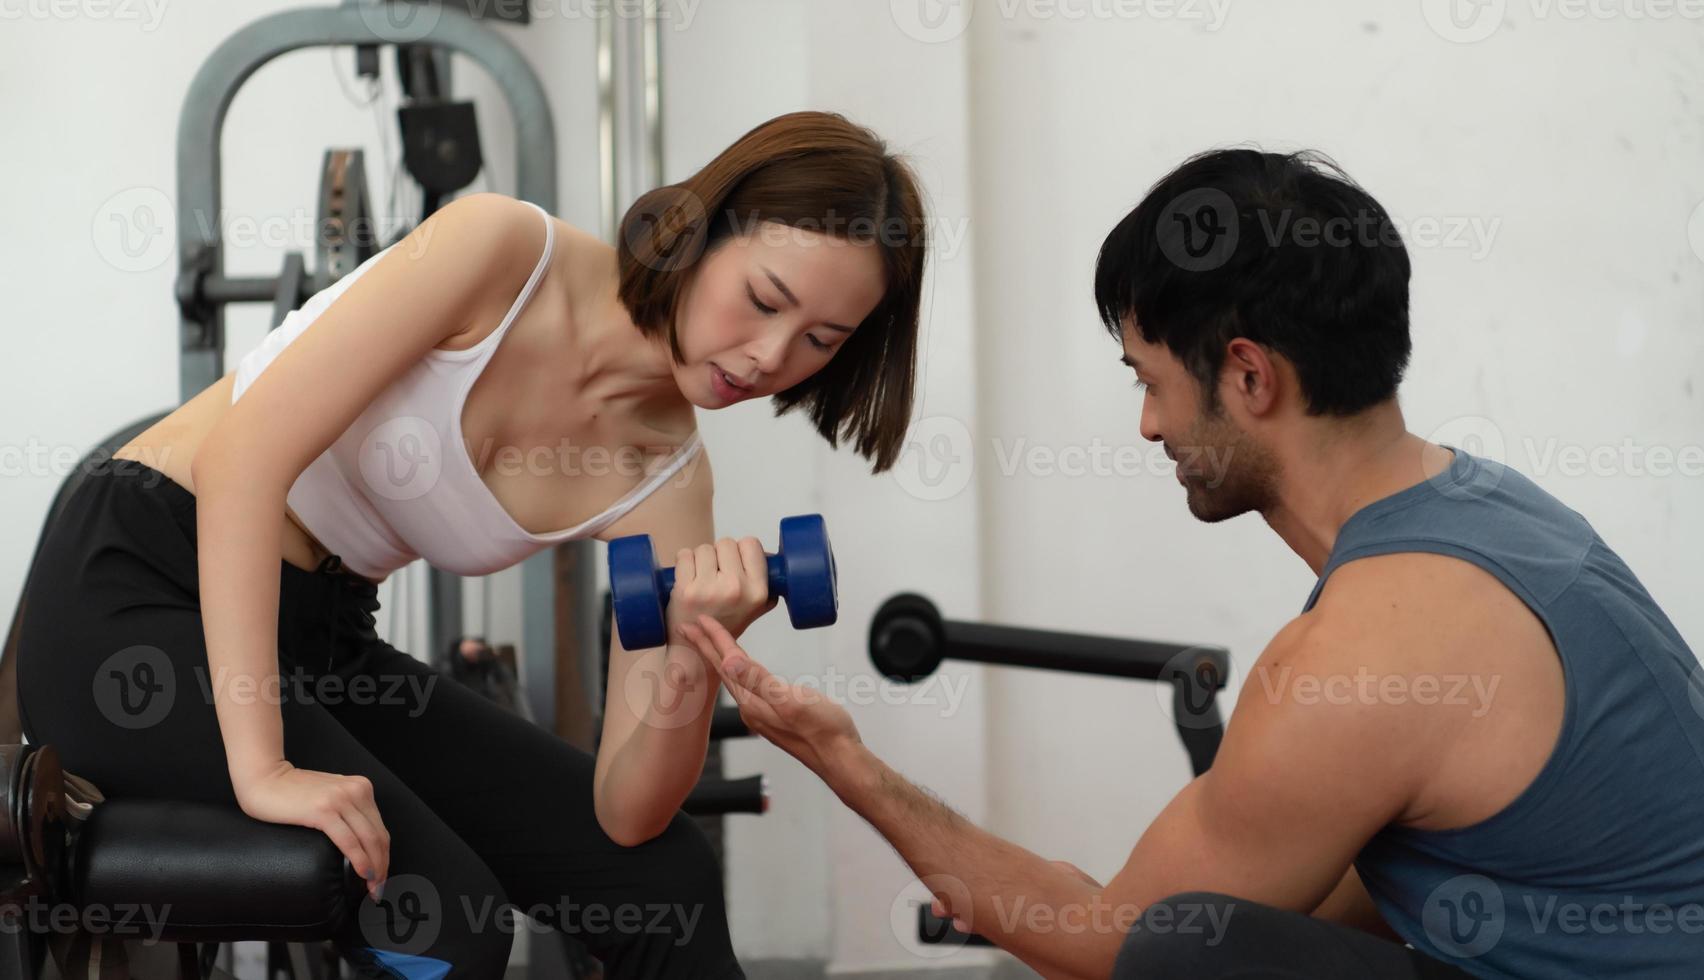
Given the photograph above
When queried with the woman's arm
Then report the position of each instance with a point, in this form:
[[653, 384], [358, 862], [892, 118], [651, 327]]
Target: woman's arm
[[427, 289], [658, 703]]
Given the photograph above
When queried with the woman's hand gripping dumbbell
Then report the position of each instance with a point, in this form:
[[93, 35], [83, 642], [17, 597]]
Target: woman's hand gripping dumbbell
[[803, 571]]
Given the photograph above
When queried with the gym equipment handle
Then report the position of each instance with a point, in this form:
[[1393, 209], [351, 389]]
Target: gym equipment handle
[[712, 797], [908, 632], [727, 723], [932, 930], [909, 639], [1081, 653], [776, 565]]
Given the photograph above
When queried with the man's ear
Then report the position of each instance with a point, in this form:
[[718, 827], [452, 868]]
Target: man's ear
[[1252, 375]]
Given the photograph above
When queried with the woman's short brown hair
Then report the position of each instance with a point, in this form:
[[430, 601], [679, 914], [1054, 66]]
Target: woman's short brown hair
[[814, 171]]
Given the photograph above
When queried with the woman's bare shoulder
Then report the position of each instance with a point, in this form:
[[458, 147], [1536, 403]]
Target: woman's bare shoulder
[[586, 263]]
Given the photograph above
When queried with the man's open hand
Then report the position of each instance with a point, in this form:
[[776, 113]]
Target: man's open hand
[[803, 722]]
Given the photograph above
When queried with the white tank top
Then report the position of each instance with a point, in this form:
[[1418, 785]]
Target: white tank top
[[398, 484]]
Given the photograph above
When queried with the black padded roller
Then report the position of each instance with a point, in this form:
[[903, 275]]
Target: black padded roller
[[208, 873]]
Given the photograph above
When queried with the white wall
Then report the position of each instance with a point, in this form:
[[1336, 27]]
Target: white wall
[[1569, 150], [1573, 315], [810, 880]]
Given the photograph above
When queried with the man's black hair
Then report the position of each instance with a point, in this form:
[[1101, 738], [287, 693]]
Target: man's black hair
[[1283, 249]]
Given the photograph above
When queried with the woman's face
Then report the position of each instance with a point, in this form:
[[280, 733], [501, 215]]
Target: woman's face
[[769, 308]]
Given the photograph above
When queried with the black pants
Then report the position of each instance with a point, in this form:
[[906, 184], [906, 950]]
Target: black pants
[[485, 810], [1207, 936]]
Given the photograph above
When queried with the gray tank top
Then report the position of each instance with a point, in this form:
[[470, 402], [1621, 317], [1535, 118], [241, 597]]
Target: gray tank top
[[1597, 869]]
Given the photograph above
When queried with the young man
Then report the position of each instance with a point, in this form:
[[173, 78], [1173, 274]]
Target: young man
[[1477, 738]]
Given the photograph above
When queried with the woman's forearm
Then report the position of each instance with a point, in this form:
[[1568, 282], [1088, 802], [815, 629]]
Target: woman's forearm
[[657, 766], [239, 529]]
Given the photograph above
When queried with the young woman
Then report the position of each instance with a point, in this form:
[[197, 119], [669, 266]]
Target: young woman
[[493, 384]]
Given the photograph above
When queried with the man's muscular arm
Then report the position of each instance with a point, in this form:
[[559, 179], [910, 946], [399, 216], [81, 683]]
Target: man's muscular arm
[[1300, 783], [1350, 905], [1018, 899], [1311, 767], [1298, 787]]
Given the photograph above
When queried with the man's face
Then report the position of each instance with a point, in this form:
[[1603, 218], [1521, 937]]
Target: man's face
[[1224, 470]]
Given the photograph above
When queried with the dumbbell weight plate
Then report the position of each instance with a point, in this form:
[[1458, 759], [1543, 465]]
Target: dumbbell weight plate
[[634, 593], [813, 596], [803, 572]]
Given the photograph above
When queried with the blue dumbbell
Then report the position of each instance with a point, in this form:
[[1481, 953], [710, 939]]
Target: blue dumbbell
[[803, 573]]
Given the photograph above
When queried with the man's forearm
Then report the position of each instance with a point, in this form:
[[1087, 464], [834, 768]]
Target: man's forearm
[[1054, 921]]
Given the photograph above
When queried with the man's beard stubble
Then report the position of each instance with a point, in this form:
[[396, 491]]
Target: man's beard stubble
[[1225, 472]]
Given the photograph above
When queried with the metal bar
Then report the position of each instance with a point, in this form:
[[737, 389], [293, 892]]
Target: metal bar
[[1082, 653], [715, 797], [727, 723], [1200, 729], [651, 45], [242, 289], [443, 612], [634, 104], [607, 205], [199, 183]]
